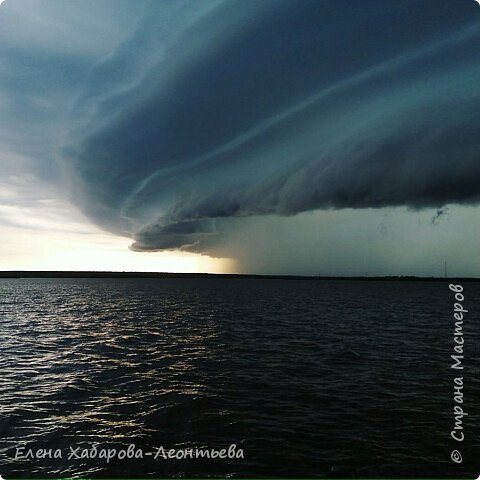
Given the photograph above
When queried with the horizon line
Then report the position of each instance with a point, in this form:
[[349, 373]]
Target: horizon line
[[140, 274]]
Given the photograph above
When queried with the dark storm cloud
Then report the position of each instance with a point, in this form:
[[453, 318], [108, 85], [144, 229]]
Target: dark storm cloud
[[210, 111], [44, 58], [191, 235]]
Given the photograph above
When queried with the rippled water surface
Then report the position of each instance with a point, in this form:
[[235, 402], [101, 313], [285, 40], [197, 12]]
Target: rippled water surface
[[301, 375]]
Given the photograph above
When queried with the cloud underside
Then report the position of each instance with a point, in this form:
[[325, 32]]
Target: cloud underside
[[248, 111]]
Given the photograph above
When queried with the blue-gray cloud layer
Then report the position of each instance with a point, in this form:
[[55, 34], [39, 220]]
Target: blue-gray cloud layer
[[209, 110]]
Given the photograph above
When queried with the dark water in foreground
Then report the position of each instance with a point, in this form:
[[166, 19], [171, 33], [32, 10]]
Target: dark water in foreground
[[301, 375]]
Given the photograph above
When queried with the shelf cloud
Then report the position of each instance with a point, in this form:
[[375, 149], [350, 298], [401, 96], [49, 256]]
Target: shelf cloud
[[206, 112]]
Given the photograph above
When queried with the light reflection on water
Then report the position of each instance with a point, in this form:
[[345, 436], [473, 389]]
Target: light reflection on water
[[303, 375]]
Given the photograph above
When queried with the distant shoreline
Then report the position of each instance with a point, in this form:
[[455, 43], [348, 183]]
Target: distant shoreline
[[159, 275]]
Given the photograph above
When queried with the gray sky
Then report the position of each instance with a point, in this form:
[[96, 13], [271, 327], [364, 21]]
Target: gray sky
[[272, 137]]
